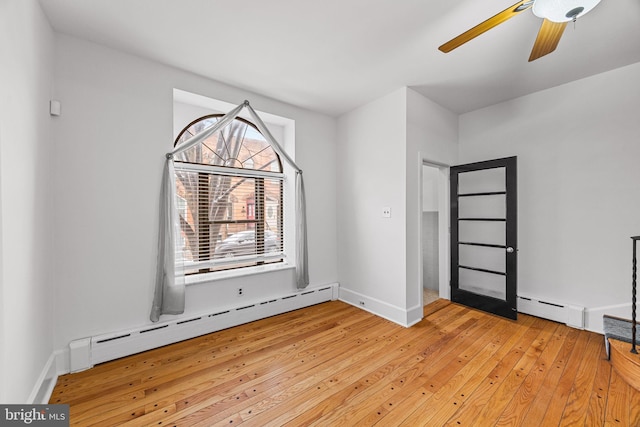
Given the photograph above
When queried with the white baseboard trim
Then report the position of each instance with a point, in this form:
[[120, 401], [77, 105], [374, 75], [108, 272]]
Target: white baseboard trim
[[382, 309], [569, 314], [415, 315], [46, 381], [62, 361], [86, 352], [575, 316]]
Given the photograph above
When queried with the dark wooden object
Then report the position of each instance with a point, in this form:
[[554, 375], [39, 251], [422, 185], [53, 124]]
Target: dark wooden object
[[633, 296]]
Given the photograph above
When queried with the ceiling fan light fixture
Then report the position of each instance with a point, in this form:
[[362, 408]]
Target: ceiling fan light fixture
[[562, 10]]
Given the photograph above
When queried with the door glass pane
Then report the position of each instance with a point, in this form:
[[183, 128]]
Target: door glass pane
[[482, 181], [494, 206], [479, 282], [482, 232], [482, 257]]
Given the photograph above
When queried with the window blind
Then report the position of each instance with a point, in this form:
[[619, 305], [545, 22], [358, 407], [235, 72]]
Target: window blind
[[228, 218]]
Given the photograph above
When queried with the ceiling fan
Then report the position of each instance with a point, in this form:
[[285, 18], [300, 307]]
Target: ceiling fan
[[555, 15]]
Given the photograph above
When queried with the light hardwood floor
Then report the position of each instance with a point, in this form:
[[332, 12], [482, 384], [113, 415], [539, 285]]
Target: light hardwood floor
[[336, 365]]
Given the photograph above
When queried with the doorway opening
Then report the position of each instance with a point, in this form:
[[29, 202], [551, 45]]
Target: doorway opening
[[435, 232]]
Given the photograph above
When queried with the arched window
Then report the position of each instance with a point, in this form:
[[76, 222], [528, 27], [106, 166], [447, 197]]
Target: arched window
[[230, 192]]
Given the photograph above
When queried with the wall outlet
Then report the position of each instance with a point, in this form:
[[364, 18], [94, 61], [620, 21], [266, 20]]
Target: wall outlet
[[361, 303], [240, 292], [386, 212]]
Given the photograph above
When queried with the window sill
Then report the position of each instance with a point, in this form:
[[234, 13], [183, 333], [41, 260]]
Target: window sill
[[240, 272]]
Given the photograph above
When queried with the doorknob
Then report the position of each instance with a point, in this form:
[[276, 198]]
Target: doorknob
[[510, 250]]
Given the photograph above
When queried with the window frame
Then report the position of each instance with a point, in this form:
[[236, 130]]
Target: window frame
[[260, 261]]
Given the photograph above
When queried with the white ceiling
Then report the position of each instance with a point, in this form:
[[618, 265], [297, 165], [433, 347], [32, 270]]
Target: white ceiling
[[334, 55]]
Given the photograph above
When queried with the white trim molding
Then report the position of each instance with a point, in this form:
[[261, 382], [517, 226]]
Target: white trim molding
[[86, 352], [42, 389], [401, 316], [569, 314]]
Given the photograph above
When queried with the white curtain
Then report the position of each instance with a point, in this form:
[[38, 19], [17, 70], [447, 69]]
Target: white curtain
[[302, 271], [169, 288]]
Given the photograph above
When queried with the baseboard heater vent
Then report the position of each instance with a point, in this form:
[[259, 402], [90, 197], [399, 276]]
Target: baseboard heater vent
[[102, 348], [571, 315]]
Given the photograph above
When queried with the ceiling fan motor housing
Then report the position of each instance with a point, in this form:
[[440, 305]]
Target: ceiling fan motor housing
[[562, 10]]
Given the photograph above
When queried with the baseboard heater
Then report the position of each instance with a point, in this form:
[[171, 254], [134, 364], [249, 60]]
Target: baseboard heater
[[571, 315], [88, 352]]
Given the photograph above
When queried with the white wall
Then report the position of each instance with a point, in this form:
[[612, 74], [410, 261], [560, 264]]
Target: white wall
[[578, 183], [371, 175], [430, 251], [430, 181], [185, 112], [116, 125], [26, 289], [432, 134], [382, 147], [430, 211]]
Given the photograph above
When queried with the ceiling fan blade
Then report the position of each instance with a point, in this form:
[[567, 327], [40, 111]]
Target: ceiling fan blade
[[485, 26], [548, 38]]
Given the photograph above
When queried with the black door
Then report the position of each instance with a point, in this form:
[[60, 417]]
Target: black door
[[484, 238]]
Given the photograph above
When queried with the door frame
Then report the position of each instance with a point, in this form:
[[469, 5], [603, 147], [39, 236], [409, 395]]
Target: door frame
[[444, 259]]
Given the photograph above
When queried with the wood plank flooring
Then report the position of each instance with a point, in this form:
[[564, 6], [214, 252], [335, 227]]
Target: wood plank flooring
[[336, 365], [626, 363]]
